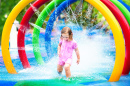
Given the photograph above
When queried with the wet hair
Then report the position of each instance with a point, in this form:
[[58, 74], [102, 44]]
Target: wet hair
[[67, 30]]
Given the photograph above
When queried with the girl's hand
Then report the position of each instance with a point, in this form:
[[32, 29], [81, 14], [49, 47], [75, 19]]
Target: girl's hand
[[78, 60]]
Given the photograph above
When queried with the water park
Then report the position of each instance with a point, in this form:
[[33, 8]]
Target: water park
[[30, 33]]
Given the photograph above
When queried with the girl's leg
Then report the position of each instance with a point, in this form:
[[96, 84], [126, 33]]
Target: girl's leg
[[67, 70], [59, 68]]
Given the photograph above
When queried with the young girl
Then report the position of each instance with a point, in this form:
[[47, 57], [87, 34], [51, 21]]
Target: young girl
[[65, 49]]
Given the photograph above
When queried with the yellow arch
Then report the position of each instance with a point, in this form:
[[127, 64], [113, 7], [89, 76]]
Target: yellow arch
[[118, 37], [6, 34]]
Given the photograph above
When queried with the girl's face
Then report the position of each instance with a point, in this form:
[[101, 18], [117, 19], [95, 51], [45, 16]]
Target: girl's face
[[65, 36]]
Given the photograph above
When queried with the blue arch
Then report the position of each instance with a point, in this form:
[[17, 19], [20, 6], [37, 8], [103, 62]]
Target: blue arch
[[50, 23]]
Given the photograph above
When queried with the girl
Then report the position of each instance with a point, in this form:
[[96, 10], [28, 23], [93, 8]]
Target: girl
[[65, 49]]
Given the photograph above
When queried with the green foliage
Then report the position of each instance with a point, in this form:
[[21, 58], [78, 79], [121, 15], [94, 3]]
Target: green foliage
[[127, 2], [7, 5], [5, 8]]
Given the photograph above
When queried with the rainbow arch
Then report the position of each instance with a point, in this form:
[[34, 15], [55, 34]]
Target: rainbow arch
[[118, 37]]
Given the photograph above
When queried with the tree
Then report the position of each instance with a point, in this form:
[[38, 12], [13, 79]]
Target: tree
[[6, 7], [127, 2]]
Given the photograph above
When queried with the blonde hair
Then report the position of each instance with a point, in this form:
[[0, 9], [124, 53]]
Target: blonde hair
[[69, 31]]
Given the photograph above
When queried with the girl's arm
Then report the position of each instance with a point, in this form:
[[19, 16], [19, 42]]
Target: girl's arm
[[78, 56], [59, 47]]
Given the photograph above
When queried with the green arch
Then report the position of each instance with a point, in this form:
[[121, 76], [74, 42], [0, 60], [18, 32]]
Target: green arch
[[36, 31], [123, 9]]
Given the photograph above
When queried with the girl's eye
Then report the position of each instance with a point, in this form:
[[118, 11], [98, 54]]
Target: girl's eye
[[64, 37]]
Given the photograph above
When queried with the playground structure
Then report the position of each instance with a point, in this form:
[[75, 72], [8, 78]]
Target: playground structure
[[114, 12]]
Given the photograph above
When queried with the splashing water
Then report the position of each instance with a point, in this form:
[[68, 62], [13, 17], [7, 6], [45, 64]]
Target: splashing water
[[94, 62], [37, 12], [34, 25], [89, 11]]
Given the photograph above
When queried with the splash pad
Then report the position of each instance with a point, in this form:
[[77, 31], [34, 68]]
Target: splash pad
[[119, 41]]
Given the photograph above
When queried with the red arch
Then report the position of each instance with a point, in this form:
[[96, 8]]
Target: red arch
[[21, 32]]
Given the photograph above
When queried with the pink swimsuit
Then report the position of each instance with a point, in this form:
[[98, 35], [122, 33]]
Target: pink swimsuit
[[66, 51]]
